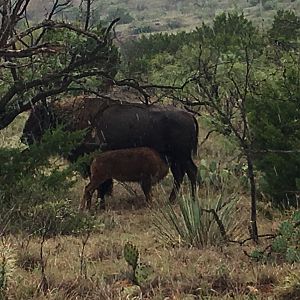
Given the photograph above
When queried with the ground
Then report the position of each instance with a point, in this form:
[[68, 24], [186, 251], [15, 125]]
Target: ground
[[181, 272], [91, 265]]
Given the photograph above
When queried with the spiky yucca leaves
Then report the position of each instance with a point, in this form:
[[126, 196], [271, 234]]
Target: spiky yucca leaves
[[131, 254], [7, 266], [198, 223]]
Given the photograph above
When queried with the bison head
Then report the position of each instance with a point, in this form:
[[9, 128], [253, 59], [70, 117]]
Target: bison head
[[40, 119]]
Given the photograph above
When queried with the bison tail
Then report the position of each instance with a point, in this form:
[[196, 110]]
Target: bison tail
[[195, 142]]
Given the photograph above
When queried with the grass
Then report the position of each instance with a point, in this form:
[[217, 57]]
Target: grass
[[99, 271], [215, 272]]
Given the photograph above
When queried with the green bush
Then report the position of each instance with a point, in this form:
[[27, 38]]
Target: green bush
[[56, 218], [273, 118], [285, 245], [33, 179], [196, 226]]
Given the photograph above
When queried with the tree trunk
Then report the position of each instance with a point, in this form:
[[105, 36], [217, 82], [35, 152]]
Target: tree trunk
[[253, 221]]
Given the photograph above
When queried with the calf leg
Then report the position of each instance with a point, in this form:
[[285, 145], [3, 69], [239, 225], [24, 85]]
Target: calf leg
[[178, 174], [104, 188], [87, 195], [146, 187], [192, 170]]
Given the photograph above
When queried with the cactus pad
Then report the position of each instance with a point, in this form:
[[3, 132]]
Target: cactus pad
[[131, 254], [143, 274]]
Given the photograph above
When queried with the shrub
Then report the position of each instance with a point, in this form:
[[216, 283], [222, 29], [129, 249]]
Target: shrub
[[197, 226], [285, 245], [56, 218], [31, 178]]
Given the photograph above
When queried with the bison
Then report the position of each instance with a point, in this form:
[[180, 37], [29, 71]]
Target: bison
[[143, 165], [171, 131]]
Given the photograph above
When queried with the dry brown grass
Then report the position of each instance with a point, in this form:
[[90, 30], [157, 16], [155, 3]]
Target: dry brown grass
[[215, 273], [223, 272]]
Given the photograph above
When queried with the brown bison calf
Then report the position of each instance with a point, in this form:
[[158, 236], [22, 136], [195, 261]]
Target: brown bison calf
[[143, 165]]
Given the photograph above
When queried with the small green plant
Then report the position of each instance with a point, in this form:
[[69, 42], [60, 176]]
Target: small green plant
[[131, 254], [143, 274], [285, 244], [199, 223]]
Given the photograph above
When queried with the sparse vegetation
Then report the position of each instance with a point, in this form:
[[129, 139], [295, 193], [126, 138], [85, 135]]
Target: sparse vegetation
[[242, 82]]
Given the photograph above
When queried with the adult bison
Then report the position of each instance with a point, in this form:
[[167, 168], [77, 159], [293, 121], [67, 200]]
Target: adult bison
[[171, 131]]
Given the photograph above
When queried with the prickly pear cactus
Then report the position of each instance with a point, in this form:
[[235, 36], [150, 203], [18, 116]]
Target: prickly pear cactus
[[131, 254], [143, 274]]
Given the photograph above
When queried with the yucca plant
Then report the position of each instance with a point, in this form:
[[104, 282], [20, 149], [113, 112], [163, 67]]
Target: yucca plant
[[198, 223]]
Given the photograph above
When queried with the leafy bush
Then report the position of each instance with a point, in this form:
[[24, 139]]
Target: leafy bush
[[56, 218], [32, 178], [285, 245], [272, 116], [221, 177]]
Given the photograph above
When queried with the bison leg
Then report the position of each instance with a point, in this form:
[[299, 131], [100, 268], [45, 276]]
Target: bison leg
[[146, 187], [178, 174], [105, 188], [192, 170]]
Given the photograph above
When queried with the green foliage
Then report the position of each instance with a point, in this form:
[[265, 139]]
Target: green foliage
[[131, 254], [269, 4], [143, 274], [56, 218], [285, 245], [285, 28], [30, 174], [196, 226], [274, 118], [287, 241], [218, 176], [137, 54], [33, 184]]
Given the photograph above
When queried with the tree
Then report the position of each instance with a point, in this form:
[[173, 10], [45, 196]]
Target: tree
[[224, 81], [42, 60]]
